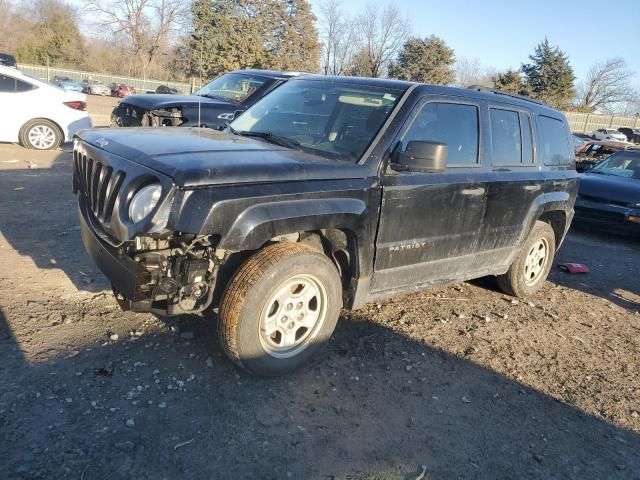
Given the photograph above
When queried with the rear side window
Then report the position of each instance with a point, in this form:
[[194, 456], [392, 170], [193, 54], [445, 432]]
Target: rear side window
[[10, 84], [451, 123], [506, 139], [554, 139], [510, 137], [7, 84]]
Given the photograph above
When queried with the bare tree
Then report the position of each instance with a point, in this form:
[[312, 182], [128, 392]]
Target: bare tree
[[337, 35], [470, 71], [382, 34], [605, 86], [144, 27]]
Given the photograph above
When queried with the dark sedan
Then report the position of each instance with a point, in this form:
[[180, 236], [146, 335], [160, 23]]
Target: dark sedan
[[609, 194], [212, 106]]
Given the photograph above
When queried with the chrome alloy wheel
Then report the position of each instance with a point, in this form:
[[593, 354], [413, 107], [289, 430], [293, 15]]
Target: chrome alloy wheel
[[292, 316], [42, 137], [536, 261]]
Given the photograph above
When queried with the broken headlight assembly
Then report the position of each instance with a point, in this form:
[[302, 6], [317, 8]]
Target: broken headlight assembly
[[144, 201]]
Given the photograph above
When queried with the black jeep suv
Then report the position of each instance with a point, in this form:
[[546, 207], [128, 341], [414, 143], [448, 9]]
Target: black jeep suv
[[212, 106], [327, 193]]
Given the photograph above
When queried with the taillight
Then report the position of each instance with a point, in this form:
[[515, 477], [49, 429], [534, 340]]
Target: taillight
[[76, 105]]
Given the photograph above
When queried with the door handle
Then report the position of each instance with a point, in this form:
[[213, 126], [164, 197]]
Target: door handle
[[473, 192]]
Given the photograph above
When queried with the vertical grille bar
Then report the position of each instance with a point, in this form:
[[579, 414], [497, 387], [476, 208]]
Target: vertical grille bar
[[95, 178], [102, 190], [112, 194]]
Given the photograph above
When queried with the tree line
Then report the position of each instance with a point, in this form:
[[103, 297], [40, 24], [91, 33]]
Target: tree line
[[181, 39]]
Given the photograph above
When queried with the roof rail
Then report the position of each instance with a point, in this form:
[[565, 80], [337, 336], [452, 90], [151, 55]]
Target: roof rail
[[481, 88]]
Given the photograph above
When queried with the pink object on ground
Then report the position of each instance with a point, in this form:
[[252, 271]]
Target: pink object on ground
[[574, 268]]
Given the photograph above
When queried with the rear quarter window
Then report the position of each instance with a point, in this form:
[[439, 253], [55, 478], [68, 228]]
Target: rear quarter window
[[554, 140]]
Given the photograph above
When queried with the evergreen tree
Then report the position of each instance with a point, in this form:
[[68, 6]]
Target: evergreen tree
[[549, 77], [427, 60], [295, 43], [226, 36], [510, 81], [235, 34]]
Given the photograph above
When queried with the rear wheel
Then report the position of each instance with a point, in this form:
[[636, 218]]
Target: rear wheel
[[279, 309], [41, 135], [530, 269]]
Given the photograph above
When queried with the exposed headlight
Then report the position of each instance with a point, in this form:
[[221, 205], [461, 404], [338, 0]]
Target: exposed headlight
[[144, 201], [226, 116]]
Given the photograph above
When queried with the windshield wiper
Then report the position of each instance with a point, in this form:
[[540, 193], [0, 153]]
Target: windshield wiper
[[270, 137]]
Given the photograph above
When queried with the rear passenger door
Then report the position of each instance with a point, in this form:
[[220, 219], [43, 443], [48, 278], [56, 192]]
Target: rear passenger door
[[430, 222], [515, 180]]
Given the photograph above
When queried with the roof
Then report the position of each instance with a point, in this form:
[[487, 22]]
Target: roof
[[475, 92], [270, 73]]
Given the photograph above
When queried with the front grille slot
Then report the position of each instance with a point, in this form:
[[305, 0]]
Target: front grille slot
[[100, 184]]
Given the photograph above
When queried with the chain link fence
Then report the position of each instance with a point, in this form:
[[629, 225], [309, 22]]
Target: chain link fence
[[141, 85]]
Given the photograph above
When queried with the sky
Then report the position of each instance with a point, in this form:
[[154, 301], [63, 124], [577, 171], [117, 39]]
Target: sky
[[503, 34]]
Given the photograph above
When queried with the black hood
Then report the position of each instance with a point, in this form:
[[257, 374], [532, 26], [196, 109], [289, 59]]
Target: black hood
[[199, 156], [610, 187], [155, 101]]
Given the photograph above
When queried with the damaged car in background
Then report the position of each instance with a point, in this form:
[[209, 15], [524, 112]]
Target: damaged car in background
[[212, 106]]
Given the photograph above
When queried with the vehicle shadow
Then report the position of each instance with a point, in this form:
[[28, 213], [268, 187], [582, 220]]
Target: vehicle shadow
[[40, 218], [612, 263], [613, 266], [377, 404]]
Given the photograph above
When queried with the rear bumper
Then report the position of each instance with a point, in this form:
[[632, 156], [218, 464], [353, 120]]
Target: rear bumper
[[129, 280], [77, 125]]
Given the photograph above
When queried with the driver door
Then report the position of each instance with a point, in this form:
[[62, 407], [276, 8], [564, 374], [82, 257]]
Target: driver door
[[430, 223]]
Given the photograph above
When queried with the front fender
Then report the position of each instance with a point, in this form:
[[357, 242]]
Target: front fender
[[259, 223]]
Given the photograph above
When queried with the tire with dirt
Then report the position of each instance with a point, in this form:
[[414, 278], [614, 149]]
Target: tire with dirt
[[279, 309], [530, 269], [40, 134]]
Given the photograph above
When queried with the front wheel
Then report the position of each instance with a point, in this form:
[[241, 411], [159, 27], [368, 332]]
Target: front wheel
[[279, 309], [530, 269]]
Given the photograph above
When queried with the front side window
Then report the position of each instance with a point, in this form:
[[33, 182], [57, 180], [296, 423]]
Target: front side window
[[454, 124], [337, 120], [232, 86], [556, 148], [23, 86]]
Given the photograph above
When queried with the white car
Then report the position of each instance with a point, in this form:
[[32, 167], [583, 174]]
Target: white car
[[609, 134], [38, 114]]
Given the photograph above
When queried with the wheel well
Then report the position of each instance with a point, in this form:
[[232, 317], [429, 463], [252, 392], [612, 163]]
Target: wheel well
[[558, 221], [339, 245]]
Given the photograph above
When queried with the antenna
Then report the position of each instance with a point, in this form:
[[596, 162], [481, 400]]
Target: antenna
[[201, 68]]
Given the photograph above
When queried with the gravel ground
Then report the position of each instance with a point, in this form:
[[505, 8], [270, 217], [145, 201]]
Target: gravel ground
[[464, 380]]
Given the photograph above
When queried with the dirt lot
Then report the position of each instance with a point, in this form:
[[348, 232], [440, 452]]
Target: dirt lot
[[463, 380]]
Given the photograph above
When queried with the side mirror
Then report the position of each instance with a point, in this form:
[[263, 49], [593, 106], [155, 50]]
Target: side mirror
[[237, 113], [421, 156]]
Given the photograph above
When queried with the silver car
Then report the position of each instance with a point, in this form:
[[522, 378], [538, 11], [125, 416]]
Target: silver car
[[94, 87]]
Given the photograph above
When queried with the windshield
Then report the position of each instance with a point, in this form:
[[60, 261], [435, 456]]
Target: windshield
[[232, 86], [619, 164], [335, 120]]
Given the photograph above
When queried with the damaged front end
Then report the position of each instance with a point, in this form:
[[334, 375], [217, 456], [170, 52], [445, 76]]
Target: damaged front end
[[151, 268], [169, 276], [127, 115]]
